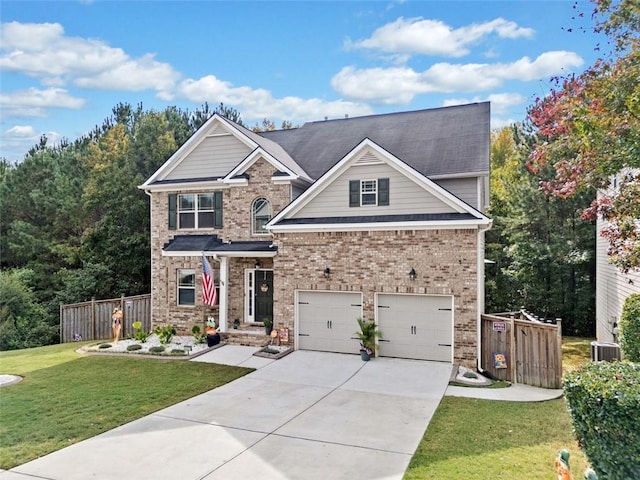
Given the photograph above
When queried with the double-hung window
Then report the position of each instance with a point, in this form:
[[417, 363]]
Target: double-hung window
[[186, 287], [364, 193], [195, 210]]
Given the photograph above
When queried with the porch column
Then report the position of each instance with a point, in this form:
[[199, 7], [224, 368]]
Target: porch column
[[224, 282]]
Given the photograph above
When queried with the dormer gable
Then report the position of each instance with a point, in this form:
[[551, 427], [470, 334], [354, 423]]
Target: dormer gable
[[370, 187], [220, 152]]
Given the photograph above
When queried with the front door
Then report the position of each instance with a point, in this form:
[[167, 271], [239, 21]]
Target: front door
[[259, 295]]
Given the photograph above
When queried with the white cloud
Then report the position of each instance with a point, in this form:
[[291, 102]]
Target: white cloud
[[434, 37], [41, 50], [399, 85], [33, 102], [258, 103], [21, 132]]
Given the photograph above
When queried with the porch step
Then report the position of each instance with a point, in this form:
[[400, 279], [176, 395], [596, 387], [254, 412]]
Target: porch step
[[250, 337]]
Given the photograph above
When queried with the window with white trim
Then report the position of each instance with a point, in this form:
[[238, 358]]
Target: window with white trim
[[260, 215], [373, 192], [368, 192], [195, 210], [186, 287]]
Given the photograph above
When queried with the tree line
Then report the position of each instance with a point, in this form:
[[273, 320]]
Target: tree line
[[74, 225]]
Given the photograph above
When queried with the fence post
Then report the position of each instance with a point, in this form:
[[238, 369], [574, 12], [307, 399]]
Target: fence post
[[61, 325], [124, 316], [93, 318], [559, 351], [512, 351]]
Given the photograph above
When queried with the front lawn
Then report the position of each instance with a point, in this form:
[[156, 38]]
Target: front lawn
[[66, 397], [480, 439]]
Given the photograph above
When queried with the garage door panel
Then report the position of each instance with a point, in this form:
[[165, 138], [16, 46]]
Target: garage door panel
[[327, 321], [416, 326]]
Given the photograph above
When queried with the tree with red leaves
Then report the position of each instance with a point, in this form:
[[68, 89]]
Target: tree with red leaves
[[588, 131]]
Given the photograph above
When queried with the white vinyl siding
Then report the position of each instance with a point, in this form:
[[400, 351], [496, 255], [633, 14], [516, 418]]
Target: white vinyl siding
[[216, 156], [466, 189], [612, 288], [405, 196]]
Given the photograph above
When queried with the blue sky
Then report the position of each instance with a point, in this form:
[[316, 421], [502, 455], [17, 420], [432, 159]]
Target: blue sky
[[65, 65]]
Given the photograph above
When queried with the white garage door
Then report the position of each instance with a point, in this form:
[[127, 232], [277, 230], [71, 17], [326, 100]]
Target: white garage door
[[327, 321], [416, 326]]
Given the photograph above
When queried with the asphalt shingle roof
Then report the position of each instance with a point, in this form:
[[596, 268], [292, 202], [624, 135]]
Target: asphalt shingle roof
[[436, 142]]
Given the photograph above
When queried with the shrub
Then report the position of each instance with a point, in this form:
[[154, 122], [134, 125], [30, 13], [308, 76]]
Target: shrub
[[604, 401], [138, 333], [165, 333], [630, 328], [198, 336]]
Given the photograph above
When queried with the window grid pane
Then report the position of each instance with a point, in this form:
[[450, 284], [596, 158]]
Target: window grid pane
[[196, 211], [369, 192]]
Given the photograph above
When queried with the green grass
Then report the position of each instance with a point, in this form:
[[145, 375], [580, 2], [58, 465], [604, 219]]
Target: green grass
[[479, 439], [575, 352], [66, 397]]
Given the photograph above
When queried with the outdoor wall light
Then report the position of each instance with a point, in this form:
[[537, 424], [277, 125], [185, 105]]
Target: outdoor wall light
[[412, 274], [327, 272]]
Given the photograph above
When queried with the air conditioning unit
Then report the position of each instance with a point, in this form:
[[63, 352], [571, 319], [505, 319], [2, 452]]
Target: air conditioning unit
[[604, 352]]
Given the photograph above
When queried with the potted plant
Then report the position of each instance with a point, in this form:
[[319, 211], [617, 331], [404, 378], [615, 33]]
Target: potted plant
[[268, 325], [367, 335], [213, 337]]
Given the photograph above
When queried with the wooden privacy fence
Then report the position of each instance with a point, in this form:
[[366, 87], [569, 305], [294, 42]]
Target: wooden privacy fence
[[531, 350], [92, 320]]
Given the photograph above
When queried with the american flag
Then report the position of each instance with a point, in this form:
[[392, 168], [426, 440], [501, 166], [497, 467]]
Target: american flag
[[209, 293]]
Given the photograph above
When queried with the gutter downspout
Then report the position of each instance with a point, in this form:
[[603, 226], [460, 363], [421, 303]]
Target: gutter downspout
[[481, 293]]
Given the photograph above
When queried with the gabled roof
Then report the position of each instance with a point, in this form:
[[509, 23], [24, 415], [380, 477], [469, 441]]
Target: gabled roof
[[438, 142], [462, 215], [271, 151]]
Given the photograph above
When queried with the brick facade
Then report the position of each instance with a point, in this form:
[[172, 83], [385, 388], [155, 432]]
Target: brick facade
[[367, 262], [379, 262], [237, 201]]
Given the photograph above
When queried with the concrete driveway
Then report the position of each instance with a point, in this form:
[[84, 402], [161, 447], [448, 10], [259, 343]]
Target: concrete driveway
[[309, 415]]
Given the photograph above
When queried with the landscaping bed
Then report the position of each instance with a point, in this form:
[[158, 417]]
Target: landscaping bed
[[179, 347]]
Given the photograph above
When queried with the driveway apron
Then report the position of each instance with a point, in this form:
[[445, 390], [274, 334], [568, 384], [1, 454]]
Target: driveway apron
[[309, 415]]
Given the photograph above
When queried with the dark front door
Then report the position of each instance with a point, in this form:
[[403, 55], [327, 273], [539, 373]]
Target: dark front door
[[263, 294]]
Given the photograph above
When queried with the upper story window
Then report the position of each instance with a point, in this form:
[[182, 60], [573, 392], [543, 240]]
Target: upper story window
[[369, 192], [260, 215], [195, 210]]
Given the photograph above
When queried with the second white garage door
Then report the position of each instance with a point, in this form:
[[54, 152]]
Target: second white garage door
[[327, 321], [416, 326]]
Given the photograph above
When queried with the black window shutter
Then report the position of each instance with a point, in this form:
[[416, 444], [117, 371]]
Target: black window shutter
[[383, 191], [354, 193], [173, 204], [217, 205]]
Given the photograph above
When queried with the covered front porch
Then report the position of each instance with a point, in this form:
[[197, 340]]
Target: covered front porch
[[243, 277]]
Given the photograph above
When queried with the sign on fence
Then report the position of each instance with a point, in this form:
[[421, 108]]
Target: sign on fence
[[499, 326], [499, 360]]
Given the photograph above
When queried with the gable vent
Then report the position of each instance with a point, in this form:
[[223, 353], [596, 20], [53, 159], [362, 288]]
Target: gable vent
[[368, 159]]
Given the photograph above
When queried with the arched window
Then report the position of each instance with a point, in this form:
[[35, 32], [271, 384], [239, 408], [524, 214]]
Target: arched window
[[260, 215]]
